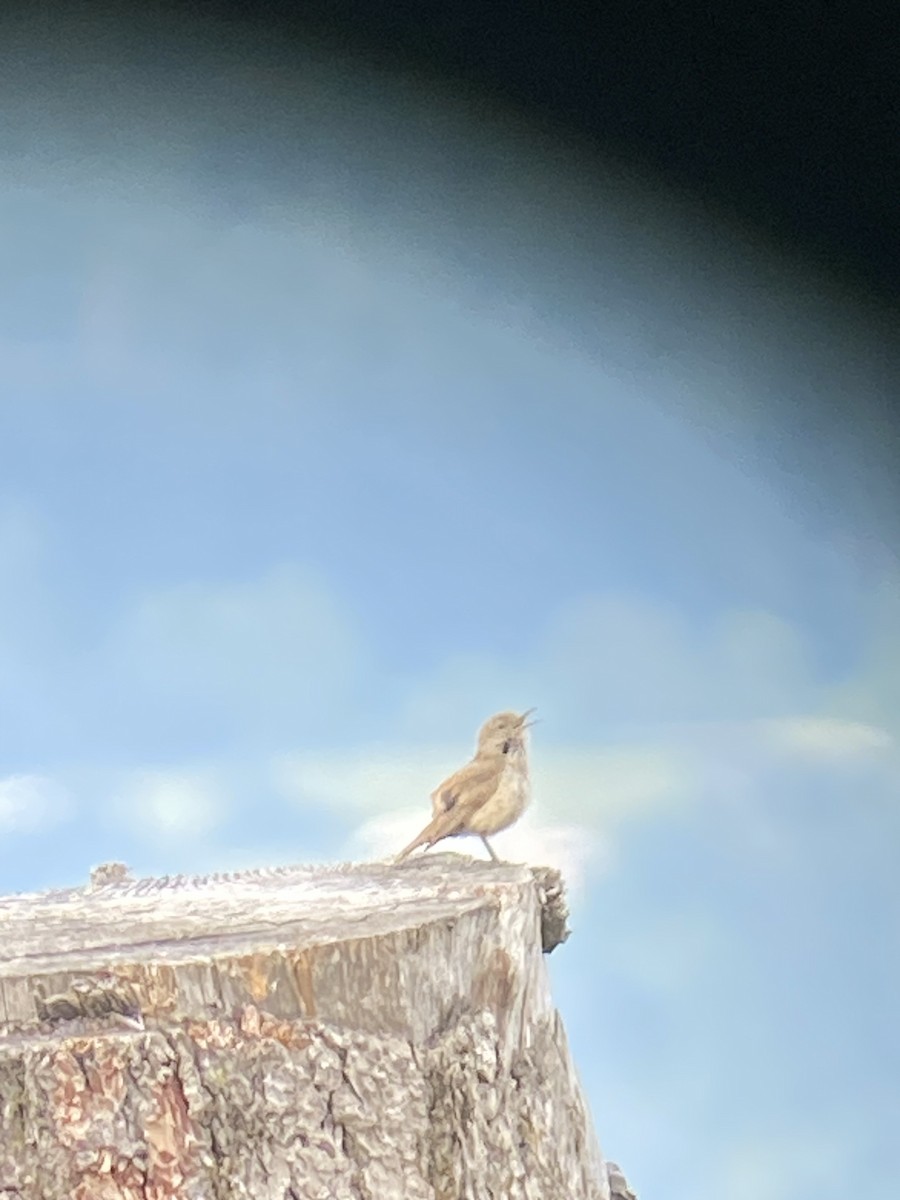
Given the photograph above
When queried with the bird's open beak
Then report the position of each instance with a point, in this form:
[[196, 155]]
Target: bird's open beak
[[525, 724]]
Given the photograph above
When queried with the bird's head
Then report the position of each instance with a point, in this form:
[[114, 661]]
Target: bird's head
[[501, 729]]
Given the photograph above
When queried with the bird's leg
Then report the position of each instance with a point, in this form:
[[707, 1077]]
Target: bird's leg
[[489, 848]]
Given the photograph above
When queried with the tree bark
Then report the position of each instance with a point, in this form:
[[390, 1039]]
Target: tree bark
[[312, 1033]]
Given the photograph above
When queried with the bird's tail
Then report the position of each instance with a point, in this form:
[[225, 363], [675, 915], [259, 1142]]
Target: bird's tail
[[424, 838], [438, 827]]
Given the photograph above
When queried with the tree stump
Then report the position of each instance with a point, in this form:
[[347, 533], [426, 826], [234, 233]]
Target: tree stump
[[308, 1033]]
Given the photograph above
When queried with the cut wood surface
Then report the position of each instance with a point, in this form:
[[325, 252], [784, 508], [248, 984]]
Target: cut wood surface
[[369, 1031]]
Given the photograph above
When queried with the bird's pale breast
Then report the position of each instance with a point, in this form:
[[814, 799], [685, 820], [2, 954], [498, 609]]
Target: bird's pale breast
[[509, 800]]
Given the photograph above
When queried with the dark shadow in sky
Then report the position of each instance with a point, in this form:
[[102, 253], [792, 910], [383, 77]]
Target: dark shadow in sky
[[785, 115]]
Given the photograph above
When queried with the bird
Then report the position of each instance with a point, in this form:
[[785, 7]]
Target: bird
[[489, 793]]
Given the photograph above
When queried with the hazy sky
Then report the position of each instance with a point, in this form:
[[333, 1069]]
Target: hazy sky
[[336, 414]]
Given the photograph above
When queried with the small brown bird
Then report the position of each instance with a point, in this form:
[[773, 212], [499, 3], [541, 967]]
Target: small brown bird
[[489, 793]]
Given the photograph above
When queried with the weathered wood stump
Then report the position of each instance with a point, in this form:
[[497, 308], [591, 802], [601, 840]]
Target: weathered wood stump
[[368, 1032]]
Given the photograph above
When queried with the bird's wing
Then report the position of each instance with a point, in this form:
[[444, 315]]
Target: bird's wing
[[454, 801]]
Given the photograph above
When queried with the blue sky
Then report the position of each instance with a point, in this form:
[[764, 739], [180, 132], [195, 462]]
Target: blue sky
[[337, 414]]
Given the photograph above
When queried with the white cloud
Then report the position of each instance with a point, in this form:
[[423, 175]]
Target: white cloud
[[826, 739], [376, 780], [608, 661], [614, 783], [462, 693], [29, 803], [268, 656], [170, 805], [531, 840], [580, 797], [799, 1162], [609, 658]]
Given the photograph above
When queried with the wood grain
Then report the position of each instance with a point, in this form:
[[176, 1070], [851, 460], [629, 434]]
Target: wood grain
[[363, 1031]]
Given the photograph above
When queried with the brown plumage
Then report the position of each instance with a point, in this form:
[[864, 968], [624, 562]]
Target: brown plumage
[[489, 793]]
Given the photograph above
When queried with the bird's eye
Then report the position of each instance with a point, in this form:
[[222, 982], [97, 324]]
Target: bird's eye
[[506, 746]]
